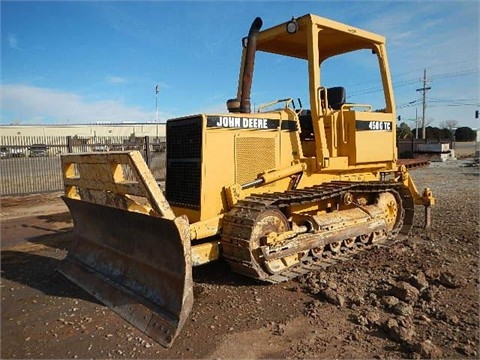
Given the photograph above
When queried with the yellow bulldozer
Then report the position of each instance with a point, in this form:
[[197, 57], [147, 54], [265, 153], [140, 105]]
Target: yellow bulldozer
[[276, 193]]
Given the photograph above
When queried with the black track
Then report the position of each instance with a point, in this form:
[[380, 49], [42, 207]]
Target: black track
[[238, 225]]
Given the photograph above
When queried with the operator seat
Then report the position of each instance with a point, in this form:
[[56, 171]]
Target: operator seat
[[336, 98], [306, 125]]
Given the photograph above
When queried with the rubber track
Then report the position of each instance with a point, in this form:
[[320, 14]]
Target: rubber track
[[239, 222]]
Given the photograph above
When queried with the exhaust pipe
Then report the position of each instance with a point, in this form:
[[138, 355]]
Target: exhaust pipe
[[248, 69], [244, 106]]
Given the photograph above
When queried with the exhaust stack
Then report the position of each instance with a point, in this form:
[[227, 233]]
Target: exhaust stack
[[242, 105]]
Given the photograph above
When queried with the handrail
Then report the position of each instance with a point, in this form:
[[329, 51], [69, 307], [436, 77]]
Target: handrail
[[342, 119], [288, 101], [349, 105], [320, 88]]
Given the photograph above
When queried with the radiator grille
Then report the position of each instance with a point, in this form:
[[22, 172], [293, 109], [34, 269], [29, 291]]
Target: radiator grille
[[184, 162], [253, 155]]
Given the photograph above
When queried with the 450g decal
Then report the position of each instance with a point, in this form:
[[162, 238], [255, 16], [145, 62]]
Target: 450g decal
[[374, 125]]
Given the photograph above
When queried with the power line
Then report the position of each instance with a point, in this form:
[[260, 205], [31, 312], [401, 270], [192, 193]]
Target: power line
[[454, 74], [401, 75], [456, 102], [402, 83], [450, 105], [408, 104], [435, 103], [459, 100]]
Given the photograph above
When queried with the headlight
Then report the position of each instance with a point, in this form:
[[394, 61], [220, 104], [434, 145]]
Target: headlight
[[292, 26]]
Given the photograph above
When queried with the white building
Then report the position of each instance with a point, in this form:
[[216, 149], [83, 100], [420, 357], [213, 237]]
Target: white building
[[85, 130]]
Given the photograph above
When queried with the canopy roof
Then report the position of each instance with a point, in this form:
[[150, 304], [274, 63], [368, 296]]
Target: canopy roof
[[334, 38]]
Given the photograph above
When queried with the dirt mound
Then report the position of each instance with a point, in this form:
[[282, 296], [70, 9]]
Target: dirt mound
[[416, 299]]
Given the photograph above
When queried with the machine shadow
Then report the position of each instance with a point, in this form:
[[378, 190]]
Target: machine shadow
[[59, 240], [59, 218], [219, 273], [39, 270], [63, 217]]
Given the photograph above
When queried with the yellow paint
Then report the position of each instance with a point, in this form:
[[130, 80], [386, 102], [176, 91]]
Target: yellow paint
[[233, 156], [204, 253]]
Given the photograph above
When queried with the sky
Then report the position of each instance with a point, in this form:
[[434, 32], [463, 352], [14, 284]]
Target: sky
[[71, 62]]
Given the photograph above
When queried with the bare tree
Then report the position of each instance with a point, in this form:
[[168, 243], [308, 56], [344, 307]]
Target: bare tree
[[449, 124], [429, 121]]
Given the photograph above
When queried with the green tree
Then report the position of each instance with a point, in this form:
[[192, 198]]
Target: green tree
[[465, 134], [446, 133], [404, 131], [432, 133]]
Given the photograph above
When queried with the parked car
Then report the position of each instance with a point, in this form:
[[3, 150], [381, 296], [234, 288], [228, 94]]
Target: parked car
[[4, 153], [16, 152], [37, 150], [100, 147], [117, 147], [160, 147]]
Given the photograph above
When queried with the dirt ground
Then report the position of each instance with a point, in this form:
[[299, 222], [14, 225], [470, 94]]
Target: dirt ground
[[416, 299]]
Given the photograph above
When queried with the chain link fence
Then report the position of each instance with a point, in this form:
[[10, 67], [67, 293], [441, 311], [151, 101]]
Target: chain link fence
[[32, 164]]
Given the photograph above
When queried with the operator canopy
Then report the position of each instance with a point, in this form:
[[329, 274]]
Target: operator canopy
[[334, 38]]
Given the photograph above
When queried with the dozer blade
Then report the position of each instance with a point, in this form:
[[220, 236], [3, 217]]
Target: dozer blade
[[137, 265], [129, 250]]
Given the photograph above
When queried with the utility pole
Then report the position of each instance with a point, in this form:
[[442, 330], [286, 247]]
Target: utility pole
[[157, 89], [424, 93], [416, 124]]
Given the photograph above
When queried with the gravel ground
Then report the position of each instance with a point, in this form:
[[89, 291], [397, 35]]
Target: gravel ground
[[416, 299]]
